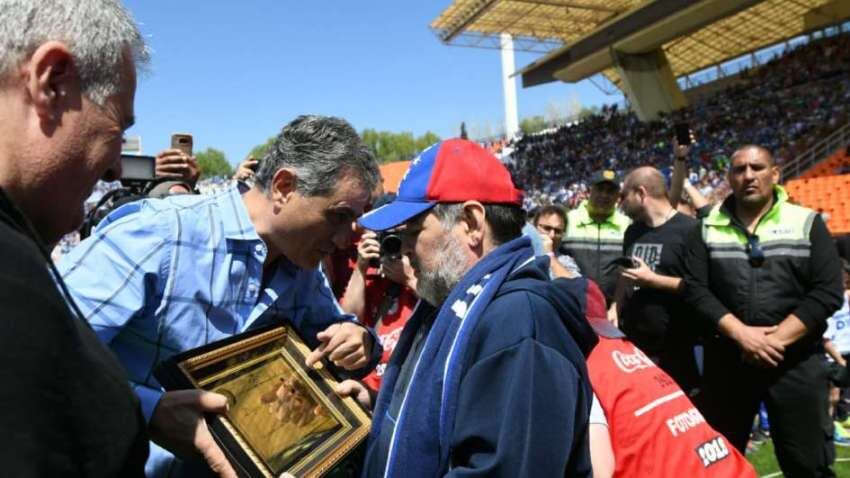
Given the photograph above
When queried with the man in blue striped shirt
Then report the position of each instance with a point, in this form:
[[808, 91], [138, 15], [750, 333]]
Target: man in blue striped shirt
[[159, 277]]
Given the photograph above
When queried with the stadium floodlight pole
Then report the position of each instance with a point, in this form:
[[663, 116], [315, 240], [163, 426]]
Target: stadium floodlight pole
[[509, 86]]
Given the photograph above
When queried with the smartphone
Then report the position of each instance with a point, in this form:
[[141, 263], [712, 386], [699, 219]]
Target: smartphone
[[683, 134], [183, 142]]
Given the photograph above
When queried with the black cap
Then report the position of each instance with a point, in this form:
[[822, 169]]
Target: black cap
[[605, 176]]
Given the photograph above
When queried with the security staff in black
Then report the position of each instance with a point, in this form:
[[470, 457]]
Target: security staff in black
[[595, 229], [766, 275]]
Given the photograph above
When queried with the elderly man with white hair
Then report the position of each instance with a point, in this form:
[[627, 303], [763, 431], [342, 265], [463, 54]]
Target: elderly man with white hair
[[67, 83]]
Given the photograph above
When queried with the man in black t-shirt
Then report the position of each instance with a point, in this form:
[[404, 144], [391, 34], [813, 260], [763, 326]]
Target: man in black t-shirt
[[651, 313]]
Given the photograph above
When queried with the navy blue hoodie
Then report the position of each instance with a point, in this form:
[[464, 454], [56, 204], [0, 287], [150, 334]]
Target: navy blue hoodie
[[524, 396]]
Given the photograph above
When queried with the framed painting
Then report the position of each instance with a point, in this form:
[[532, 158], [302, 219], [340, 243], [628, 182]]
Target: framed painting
[[283, 417]]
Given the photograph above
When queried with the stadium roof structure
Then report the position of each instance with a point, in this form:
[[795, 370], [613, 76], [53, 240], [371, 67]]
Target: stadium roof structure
[[578, 36]]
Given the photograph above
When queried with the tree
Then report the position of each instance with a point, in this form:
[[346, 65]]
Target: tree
[[532, 124], [554, 113], [389, 147], [586, 112], [386, 145], [372, 139], [213, 163], [257, 152], [426, 140]]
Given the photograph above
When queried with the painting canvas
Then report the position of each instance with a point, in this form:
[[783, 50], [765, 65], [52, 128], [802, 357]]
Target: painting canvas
[[282, 416]]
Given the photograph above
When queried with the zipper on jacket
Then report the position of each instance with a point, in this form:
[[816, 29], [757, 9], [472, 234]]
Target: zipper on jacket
[[598, 251]]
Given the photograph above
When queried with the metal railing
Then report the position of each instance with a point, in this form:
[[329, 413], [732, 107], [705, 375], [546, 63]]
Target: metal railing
[[840, 138]]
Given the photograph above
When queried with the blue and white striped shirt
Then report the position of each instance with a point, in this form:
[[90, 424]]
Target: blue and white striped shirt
[[162, 276]]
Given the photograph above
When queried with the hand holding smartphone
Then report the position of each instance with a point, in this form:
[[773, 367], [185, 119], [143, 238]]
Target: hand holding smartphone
[[183, 142], [683, 134]]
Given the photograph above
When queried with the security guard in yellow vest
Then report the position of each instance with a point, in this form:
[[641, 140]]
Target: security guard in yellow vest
[[766, 274], [595, 230]]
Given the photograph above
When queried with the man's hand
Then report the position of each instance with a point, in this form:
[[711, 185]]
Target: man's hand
[[355, 390], [642, 275], [758, 345], [173, 163], [346, 344], [548, 245], [613, 315], [178, 425], [682, 150], [790, 330], [367, 249], [246, 169]]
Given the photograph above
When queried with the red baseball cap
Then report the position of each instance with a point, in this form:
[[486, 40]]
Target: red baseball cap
[[451, 171]]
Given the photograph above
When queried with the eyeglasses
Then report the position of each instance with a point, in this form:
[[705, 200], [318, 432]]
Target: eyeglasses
[[547, 229], [754, 251]]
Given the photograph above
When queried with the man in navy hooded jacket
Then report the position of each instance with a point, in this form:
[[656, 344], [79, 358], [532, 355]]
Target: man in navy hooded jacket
[[488, 377]]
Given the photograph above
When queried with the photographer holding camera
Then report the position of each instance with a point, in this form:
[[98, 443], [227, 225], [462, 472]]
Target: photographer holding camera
[[381, 291]]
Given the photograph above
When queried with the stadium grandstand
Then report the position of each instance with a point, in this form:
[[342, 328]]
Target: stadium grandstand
[[773, 72]]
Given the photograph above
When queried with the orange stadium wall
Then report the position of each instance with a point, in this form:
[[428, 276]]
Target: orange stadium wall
[[391, 174]]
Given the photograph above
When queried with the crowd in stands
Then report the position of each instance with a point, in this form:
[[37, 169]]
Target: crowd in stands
[[784, 105], [213, 185]]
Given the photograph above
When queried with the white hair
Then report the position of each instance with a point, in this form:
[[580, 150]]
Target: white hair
[[99, 33]]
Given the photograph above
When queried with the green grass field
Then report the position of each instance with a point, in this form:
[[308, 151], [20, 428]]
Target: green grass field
[[765, 461]]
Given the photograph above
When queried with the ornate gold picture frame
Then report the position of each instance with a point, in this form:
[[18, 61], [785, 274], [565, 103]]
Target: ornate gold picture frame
[[282, 417]]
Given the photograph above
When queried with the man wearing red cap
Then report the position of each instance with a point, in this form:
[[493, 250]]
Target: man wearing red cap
[[641, 422], [488, 377]]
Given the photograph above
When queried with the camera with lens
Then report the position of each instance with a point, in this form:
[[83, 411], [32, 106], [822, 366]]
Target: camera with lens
[[390, 247]]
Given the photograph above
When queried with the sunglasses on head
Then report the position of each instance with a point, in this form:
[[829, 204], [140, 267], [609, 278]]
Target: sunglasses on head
[[754, 251]]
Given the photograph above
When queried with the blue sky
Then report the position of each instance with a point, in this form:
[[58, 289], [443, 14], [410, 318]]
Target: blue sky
[[233, 73]]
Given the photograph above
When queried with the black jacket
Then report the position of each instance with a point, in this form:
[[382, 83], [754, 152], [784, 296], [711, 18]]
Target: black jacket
[[800, 279], [66, 408]]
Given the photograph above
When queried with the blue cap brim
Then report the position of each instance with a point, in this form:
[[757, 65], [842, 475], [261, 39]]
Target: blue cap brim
[[393, 214]]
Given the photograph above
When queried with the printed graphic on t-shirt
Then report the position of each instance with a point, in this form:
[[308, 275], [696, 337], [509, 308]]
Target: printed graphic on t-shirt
[[390, 339], [685, 421], [631, 362], [712, 451], [650, 253], [838, 328]]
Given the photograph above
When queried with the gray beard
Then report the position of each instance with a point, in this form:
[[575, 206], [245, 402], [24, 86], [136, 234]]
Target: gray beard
[[434, 286]]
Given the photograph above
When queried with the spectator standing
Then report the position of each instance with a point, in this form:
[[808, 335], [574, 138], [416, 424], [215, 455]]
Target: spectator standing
[[595, 231], [381, 297], [67, 87], [765, 273], [651, 312], [838, 335], [551, 222], [162, 276]]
